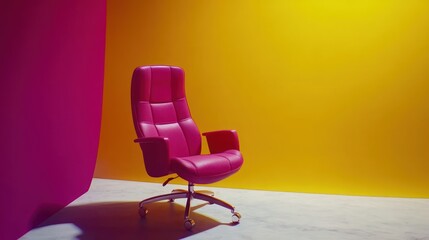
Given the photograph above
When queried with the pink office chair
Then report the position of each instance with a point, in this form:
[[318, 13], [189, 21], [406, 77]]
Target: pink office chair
[[171, 142]]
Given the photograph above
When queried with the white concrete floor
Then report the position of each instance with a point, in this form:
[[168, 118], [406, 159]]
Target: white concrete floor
[[110, 211]]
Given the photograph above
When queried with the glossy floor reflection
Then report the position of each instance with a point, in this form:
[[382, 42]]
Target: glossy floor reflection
[[110, 211]]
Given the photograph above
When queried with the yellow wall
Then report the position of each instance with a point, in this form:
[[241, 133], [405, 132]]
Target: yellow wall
[[327, 96]]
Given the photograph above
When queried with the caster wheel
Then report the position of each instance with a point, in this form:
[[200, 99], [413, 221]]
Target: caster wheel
[[189, 223], [143, 212], [171, 200], [236, 217]]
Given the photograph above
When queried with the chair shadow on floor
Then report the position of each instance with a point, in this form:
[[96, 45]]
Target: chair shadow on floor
[[120, 220]]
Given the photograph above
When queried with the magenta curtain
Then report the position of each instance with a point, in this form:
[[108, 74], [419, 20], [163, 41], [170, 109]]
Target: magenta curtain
[[51, 82]]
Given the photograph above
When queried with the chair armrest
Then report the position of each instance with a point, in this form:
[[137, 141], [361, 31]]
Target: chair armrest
[[156, 154], [220, 141]]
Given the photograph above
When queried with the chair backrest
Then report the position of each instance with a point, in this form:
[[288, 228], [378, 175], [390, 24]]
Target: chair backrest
[[160, 108]]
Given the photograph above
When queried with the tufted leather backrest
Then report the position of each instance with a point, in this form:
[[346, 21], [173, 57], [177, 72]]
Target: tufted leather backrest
[[160, 108]]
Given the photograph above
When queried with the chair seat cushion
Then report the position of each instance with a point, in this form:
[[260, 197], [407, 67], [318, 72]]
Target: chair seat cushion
[[208, 168]]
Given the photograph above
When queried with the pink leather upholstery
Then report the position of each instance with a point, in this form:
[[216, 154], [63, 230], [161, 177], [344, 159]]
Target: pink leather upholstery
[[169, 138]]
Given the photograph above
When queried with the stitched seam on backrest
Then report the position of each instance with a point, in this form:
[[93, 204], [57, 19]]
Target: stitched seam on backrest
[[177, 117], [150, 103], [164, 123]]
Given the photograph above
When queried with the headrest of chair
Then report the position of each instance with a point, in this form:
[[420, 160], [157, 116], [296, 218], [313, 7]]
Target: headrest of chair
[[158, 84]]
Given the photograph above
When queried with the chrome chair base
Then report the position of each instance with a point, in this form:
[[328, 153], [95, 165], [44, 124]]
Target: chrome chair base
[[189, 194]]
